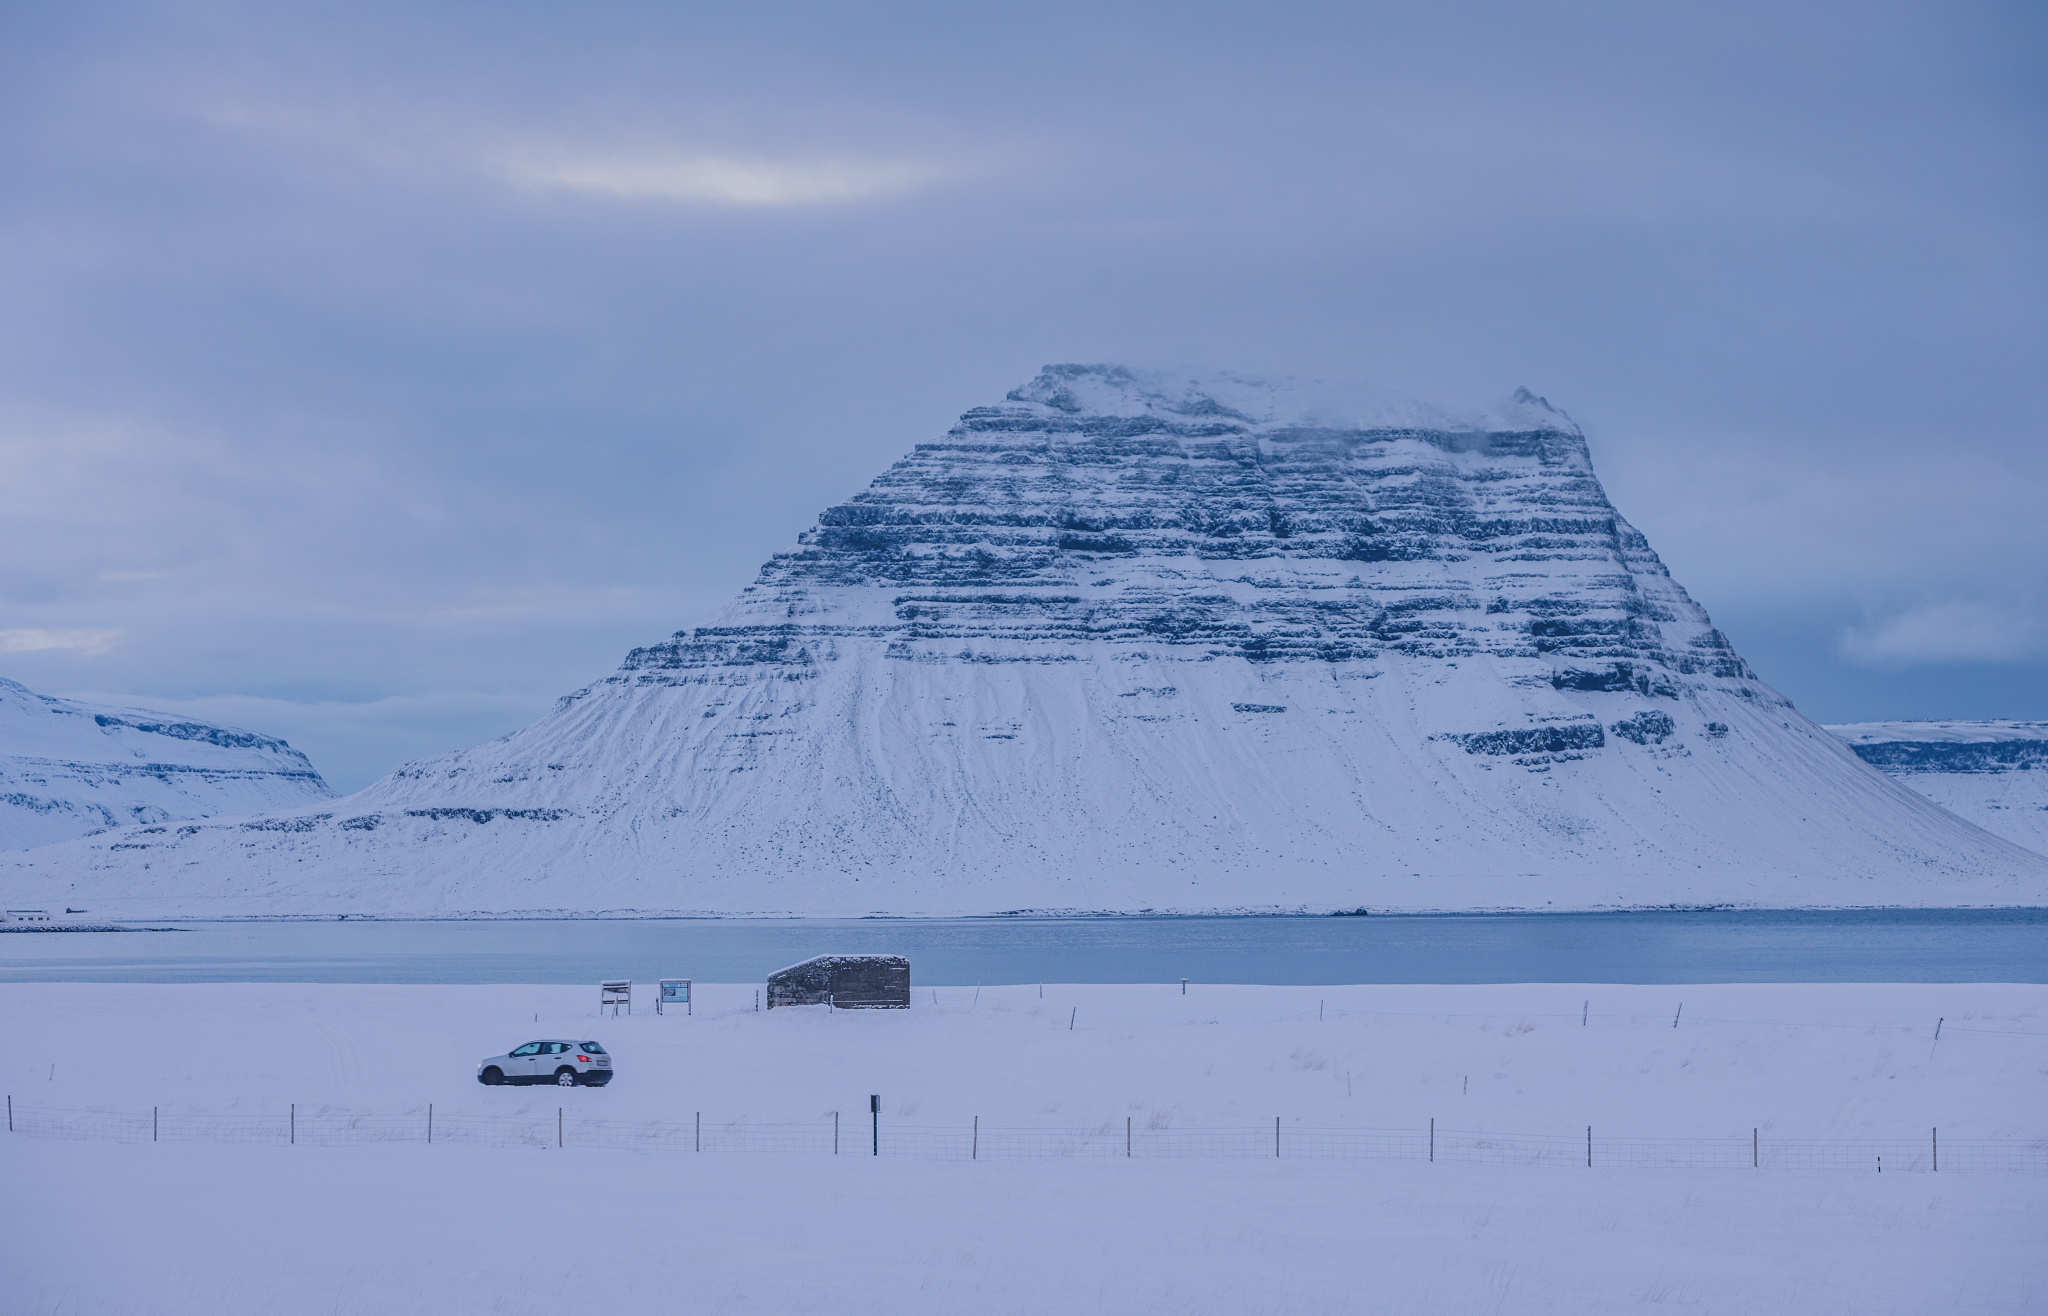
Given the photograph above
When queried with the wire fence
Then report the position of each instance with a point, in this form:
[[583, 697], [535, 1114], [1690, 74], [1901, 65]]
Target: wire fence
[[326, 1127]]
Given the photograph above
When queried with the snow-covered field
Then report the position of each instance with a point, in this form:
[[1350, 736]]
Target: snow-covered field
[[400, 1226]]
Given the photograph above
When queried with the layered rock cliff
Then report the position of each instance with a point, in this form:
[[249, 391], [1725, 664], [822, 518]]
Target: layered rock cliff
[[69, 768], [1130, 642], [1993, 772]]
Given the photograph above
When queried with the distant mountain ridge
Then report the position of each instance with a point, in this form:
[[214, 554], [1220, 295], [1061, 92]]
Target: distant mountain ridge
[[69, 768], [1128, 642], [1992, 772]]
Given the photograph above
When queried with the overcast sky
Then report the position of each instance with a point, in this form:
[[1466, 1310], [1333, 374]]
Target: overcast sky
[[372, 374]]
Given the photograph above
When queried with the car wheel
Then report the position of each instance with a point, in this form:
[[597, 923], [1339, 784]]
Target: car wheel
[[565, 1078], [491, 1077]]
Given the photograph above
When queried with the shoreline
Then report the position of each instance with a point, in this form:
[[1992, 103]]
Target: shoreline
[[119, 924]]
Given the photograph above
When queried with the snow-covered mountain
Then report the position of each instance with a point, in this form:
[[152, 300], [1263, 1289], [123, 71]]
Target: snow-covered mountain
[[69, 768], [1129, 642], [1995, 773]]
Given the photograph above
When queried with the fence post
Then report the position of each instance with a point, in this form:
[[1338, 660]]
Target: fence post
[[1681, 1010], [10, 1112], [700, 1131], [295, 1124], [1753, 1161], [1432, 1141], [1127, 1135], [1936, 1135], [1276, 1135], [152, 1123], [875, 1111], [430, 1124], [1589, 1140], [835, 1132]]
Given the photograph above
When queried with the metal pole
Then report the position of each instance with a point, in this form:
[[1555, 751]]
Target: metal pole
[[875, 1110], [430, 1124], [558, 1126], [1754, 1161], [1183, 987], [295, 1124], [1127, 1135], [700, 1130], [1072, 1017], [1589, 1146], [1276, 1135], [1937, 1148], [10, 1112], [975, 1154], [835, 1133], [152, 1123], [1681, 1010]]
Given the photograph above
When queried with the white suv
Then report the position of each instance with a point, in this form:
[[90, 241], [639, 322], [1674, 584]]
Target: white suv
[[565, 1064]]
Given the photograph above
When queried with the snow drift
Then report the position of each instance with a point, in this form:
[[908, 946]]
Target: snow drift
[[69, 768], [1141, 642]]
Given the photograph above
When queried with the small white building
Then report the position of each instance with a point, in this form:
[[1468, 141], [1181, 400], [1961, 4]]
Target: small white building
[[26, 916]]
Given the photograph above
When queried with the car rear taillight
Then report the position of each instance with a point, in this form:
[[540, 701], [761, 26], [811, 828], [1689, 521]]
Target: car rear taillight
[[584, 1059]]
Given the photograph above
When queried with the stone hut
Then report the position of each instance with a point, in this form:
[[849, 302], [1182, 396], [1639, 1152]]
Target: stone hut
[[849, 982]]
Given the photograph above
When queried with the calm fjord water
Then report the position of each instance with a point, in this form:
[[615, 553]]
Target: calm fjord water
[[1662, 947]]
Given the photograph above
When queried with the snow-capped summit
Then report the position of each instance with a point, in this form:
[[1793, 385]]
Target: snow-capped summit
[[1132, 641], [1255, 404], [68, 768]]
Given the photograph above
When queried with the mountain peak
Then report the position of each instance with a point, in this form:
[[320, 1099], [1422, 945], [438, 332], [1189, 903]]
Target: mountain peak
[[1168, 641], [1225, 400]]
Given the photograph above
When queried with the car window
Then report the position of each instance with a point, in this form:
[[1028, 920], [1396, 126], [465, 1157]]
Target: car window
[[530, 1049], [592, 1047]]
